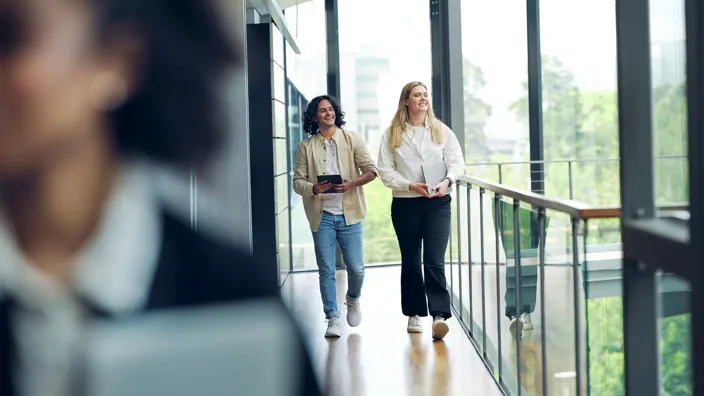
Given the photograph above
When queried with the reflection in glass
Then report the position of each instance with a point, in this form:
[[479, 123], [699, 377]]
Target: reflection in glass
[[675, 335], [280, 165], [277, 46], [279, 119], [281, 192], [301, 240], [278, 79]]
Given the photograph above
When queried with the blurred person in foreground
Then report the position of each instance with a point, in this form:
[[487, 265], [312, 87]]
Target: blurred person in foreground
[[420, 218], [91, 92], [334, 211]]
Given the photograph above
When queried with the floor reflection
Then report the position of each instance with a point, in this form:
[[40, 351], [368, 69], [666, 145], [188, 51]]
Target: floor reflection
[[379, 358]]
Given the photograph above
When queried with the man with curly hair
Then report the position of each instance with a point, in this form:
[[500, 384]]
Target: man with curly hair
[[334, 211]]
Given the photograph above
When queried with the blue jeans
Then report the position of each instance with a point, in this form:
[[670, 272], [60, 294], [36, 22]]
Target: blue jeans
[[333, 229]]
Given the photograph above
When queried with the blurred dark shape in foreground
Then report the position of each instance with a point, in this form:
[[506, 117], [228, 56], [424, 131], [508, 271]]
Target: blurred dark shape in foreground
[[240, 349]]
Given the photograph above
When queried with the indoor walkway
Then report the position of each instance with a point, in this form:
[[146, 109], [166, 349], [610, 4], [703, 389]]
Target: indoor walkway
[[379, 357]]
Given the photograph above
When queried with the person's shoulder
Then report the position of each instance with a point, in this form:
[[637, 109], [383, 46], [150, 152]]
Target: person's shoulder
[[386, 132], [306, 142], [444, 128]]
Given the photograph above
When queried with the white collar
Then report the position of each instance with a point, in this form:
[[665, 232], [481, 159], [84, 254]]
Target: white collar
[[426, 124], [114, 271]]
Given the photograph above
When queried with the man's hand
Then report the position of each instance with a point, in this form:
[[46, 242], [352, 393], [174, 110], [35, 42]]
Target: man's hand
[[344, 187], [440, 189], [420, 188], [321, 187]]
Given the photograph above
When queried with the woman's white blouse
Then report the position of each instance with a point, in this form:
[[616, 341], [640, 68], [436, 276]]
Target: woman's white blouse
[[401, 166]]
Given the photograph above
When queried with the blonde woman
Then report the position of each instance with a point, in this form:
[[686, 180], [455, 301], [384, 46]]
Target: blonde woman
[[421, 216]]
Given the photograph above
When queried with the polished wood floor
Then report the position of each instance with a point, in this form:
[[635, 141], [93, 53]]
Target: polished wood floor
[[379, 357]]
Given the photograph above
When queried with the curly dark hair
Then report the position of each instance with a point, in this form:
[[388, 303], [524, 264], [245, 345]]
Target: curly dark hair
[[176, 114], [310, 122]]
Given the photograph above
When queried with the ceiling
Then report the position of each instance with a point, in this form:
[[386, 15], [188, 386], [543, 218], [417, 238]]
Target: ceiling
[[260, 5], [284, 4], [274, 8]]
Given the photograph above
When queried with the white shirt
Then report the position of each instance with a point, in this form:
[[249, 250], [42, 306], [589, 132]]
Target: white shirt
[[113, 272], [332, 202], [401, 166]]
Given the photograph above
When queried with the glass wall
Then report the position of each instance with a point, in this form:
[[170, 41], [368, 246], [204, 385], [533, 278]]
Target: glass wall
[[374, 68], [580, 111], [580, 123], [281, 172], [495, 92], [667, 37], [308, 69], [669, 107], [306, 78]]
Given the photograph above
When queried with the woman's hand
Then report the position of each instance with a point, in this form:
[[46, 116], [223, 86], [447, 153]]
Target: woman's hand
[[420, 188], [440, 189]]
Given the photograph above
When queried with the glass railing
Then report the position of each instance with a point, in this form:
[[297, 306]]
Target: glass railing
[[563, 178], [536, 284]]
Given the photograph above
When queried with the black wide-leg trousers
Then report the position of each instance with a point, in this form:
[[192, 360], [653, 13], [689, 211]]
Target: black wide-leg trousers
[[422, 225]]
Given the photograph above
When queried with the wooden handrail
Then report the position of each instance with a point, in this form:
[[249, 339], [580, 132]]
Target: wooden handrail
[[567, 206], [570, 207], [609, 212]]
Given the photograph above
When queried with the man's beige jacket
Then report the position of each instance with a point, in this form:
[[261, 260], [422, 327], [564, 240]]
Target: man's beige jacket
[[310, 162]]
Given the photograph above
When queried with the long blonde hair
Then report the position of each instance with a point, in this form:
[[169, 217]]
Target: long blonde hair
[[398, 123]]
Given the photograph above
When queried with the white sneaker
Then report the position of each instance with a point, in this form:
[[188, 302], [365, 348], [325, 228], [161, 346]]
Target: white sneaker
[[354, 311], [527, 321], [516, 327], [334, 330], [414, 324], [440, 328]]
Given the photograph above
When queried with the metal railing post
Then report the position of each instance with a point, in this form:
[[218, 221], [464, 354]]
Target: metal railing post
[[469, 259], [569, 170], [517, 283], [575, 297], [543, 319], [459, 249], [481, 256], [498, 220]]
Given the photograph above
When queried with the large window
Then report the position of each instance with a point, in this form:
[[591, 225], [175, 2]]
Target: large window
[[308, 69], [383, 45], [281, 172], [580, 111], [495, 93], [667, 51], [668, 60], [306, 77], [495, 61]]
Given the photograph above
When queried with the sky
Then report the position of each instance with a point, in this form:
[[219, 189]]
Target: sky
[[582, 34]]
